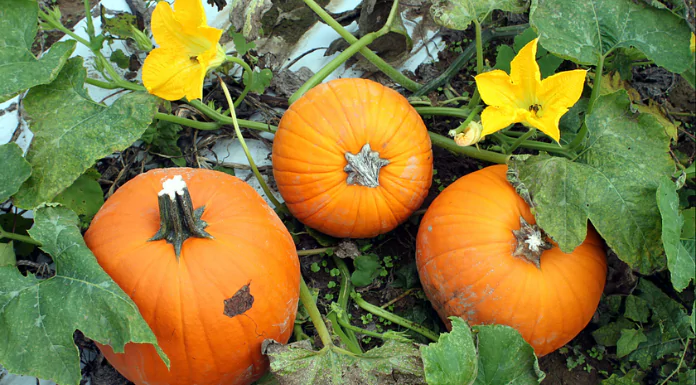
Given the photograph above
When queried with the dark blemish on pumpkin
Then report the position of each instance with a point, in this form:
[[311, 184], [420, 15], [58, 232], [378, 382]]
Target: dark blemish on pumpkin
[[240, 302]]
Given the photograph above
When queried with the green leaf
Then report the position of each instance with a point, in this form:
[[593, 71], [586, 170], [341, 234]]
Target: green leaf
[[452, 359], [367, 268], [261, 81], [458, 14], [504, 357], [71, 132], [297, 363], [120, 25], [84, 197], [240, 43], [583, 31], [632, 377], [163, 136], [121, 59], [7, 255], [609, 334], [629, 341], [612, 183], [40, 316], [15, 170], [680, 260], [19, 68], [670, 325], [637, 309]]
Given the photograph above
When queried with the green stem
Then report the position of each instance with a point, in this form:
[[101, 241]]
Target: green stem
[[247, 83], [314, 315], [383, 66], [352, 346], [344, 294], [262, 182], [596, 90], [475, 99], [336, 62], [473, 152], [314, 251], [461, 113], [520, 140], [59, 26], [18, 237], [376, 310], [206, 126], [299, 333], [540, 146], [102, 84], [212, 114], [681, 361], [479, 47], [468, 120], [356, 329], [88, 17], [468, 53]]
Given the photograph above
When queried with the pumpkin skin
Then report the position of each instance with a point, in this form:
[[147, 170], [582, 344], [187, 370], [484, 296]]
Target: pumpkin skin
[[183, 301], [309, 158], [465, 263]]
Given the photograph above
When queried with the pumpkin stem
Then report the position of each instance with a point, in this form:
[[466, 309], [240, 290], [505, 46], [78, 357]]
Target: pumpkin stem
[[178, 219], [531, 242], [363, 167]]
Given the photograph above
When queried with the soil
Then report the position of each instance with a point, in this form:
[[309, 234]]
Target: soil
[[400, 284]]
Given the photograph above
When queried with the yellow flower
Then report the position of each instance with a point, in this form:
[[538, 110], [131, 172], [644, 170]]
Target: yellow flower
[[522, 97], [470, 135], [188, 49]]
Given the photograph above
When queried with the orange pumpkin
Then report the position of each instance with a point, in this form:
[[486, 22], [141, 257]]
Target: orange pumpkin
[[352, 158], [212, 283], [477, 260]]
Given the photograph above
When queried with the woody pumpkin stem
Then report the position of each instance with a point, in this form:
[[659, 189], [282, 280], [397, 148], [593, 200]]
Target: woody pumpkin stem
[[178, 219], [363, 167], [531, 243]]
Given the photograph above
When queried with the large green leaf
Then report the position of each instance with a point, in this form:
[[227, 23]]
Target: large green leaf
[[15, 170], [71, 131], [84, 197], [505, 357], [680, 259], [39, 317], [584, 31], [458, 14], [297, 363], [19, 68], [670, 326], [7, 254], [629, 341], [452, 360], [612, 183]]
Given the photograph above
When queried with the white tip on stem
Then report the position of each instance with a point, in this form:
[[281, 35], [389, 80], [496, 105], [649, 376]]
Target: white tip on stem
[[175, 185]]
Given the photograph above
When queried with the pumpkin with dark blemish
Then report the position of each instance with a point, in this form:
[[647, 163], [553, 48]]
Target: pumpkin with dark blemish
[[481, 257], [212, 292], [352, 158]]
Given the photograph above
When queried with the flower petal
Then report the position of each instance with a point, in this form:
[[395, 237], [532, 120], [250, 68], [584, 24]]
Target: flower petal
[[190, 39], [561, 90], [524, 70], [496, 89], [548, 122], [171, 76], [496, 118], [190, 13]]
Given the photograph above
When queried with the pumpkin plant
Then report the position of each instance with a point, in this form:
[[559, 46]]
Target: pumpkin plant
[[211, 268], [480, 256], [352, 158]]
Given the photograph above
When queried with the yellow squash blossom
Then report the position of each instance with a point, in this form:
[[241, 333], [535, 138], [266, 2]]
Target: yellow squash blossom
[[188, 49], [522, 97]]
